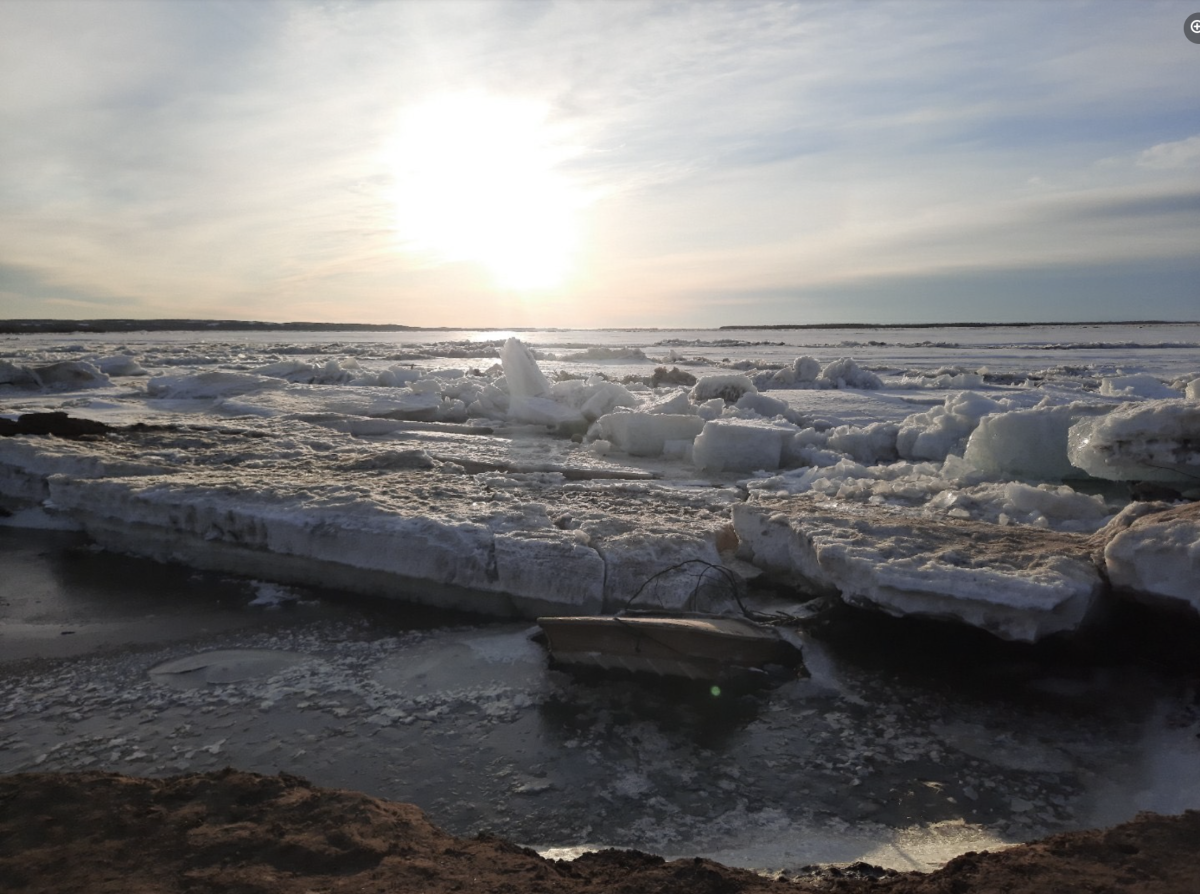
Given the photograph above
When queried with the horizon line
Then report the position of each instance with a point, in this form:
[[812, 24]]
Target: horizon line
[[24, 325]]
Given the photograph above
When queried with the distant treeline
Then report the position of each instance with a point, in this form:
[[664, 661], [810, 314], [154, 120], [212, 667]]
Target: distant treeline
[[10, 327], [19, 326], [957, 325]]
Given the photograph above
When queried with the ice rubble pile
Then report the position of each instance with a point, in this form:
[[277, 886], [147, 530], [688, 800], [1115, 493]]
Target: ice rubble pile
[[65, 375], [975, 508], [725, 422]]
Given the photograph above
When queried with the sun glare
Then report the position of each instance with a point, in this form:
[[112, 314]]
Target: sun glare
[[476, 181]]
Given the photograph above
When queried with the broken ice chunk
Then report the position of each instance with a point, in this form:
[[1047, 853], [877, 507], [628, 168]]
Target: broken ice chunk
[[521, 371], [741, 445], [1025, 443], [1153, 441], [643, 434], [728, 387]]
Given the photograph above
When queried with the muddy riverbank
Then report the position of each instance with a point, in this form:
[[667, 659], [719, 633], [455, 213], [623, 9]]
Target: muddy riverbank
[[230, 830]]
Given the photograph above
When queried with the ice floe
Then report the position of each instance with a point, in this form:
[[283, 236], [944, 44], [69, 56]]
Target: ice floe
[[1016, 582], [386, 465]]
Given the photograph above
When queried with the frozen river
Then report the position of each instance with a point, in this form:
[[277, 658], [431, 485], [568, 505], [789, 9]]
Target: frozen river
[[306, 471]]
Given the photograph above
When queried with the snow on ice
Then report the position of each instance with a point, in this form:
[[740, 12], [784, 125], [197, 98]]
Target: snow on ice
[[954, 476]]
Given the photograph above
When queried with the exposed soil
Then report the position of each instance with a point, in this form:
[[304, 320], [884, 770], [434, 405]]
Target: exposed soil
[[232, 831]]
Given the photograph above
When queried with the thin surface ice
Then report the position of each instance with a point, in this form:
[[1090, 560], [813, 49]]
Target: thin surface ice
[[873, 758]]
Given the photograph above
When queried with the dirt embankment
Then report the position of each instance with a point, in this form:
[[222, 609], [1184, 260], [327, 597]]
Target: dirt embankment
[[240, 832]]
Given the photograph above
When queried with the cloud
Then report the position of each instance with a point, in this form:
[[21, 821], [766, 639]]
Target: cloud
[[1036, 294], [27, 291], [1173, 156], [234, 157]]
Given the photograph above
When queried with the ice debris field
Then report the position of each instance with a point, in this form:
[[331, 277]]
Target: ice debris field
[[1017, 480]]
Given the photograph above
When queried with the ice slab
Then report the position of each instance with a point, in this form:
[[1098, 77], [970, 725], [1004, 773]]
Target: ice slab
[[367, 516], [1029, 444], [1017, 583], [845, 373], [807, 372], [943, 430], [868, 444], [521, 372], [644, 434], [544, 411], [593, 398], [745, 445], [209, 385], [729, 387], [64, 375], [674, 403], [1156, 440]]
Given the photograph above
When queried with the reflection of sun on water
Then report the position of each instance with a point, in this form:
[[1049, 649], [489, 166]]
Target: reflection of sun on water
[[476, 181]]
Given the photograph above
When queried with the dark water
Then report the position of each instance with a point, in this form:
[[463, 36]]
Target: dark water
[[909, 743]]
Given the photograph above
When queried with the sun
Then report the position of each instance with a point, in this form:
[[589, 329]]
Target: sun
[[476, 180]]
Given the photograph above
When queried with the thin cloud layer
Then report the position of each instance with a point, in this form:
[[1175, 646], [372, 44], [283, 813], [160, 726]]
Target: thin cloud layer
[[241, 160]]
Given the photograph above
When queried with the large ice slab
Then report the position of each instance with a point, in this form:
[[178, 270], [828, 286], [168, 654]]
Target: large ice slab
[[1152, 553], [1017, 583], [364, 516], [274, 533]]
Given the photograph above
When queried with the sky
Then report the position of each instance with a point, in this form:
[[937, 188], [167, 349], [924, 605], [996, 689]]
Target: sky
[[605, 163]]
